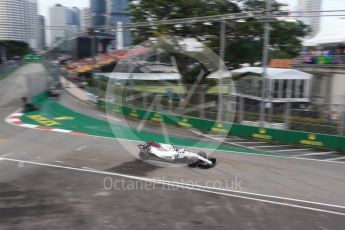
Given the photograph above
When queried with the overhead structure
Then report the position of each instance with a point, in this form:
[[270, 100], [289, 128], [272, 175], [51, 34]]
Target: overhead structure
[[142, 76], [318, 40], [284, 85]]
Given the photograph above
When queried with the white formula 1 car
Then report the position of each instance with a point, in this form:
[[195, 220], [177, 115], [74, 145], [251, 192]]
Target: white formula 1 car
[[174, 154]]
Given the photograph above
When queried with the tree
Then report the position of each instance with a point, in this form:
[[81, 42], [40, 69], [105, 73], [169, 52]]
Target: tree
[[148, 10], [15, 48], [244, 39]]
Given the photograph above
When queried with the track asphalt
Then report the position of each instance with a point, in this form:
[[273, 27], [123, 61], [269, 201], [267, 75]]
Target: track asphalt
[[52, 180]]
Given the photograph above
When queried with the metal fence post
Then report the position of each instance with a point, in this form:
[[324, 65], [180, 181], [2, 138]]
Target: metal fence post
[[222, 56], [241, 112], [202, 102], [144, 97], [170, 104], [288, 105], [271, 111], [342, 119], [265, 62], [287, 115]]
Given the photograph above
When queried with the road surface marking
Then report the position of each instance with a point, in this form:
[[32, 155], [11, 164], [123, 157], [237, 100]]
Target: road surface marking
[[336, 158], [109, 117], [81, 148], [61, 130], [290, 150], [220, 138], [315, 154], [17, 114], [232, 143], [5, 155], [205, 189], [271, 146], [249, 142], [92, 169], [228, 151], [64, 118], [191, 147], [29, 126]]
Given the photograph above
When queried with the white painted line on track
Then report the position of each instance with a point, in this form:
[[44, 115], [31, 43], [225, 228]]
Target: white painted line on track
[[228, 151], [220, 138], [249, 142], [232, 143], [29, 126], [81, 148], [16, 114], [290, 150], [205, 189], [109, 117], [233, 139], [315, 154], [5, 155], [335, 159], [10, 120], [219, 150], [217, 135], [61, 130], [271, 146], [92, 169]]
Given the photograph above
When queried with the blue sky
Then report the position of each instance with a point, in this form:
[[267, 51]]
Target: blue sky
[[330, 26]]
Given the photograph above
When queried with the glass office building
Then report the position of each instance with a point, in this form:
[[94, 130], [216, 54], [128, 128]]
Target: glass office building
[[118, 11], [18, 21], [98, 12], [110, 12]]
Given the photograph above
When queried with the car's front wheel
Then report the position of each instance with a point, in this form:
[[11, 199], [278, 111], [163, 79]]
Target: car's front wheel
[[144, 154]]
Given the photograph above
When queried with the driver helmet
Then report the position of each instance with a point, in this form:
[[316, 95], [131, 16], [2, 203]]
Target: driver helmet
[[181, 150]]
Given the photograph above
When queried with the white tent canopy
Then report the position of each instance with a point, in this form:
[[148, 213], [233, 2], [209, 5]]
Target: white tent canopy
[[159, 76], [283, 84], [324, 40], [274, 73], [142, 76]]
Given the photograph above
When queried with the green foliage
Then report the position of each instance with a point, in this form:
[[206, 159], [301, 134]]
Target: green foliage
[[244, 39], [15, 48], [147, 10]]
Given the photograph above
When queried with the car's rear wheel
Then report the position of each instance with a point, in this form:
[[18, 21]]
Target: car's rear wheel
[[192, 162], [144, 154]]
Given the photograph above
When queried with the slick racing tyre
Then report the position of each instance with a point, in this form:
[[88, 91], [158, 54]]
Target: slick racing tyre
[[144, 154], [192, 162], [204, 165]]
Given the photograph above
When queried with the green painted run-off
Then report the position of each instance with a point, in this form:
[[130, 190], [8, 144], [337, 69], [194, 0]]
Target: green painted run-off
[[55, 115]]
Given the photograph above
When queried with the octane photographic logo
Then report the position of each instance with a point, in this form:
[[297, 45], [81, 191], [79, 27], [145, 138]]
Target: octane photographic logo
[[170, 91]]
